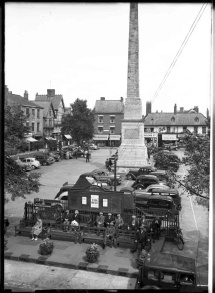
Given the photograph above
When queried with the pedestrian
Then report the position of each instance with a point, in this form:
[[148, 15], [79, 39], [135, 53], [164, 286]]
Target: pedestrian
[[107, 164], [37, 228], [140, 240], [87, 156], [76, 153], [110, 165]]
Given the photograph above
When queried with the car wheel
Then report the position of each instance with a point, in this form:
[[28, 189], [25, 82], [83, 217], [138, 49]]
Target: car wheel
[[129, 177], [44, 163], [33, 167], [139, 187]]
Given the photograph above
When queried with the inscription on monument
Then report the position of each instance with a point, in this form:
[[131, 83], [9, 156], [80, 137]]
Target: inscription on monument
[[131, 133]]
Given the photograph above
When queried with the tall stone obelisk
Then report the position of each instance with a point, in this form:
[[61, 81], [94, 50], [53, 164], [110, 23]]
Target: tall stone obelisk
[[132, 151]]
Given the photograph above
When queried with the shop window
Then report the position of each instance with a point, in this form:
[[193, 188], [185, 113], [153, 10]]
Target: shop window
[[100, 130], [38, 127], [186, 279], [32, 126], [167, 277], [100, 119], [203, 129], [33, 113]]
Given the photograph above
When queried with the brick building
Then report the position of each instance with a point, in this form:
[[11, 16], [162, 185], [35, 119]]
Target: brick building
[[107, 125]]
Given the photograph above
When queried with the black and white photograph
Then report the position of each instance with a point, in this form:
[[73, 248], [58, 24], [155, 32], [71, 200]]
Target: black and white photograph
[[107, 146]]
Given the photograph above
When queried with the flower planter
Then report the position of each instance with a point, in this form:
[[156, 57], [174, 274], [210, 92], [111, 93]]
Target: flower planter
[[92, 253], [46, 247]]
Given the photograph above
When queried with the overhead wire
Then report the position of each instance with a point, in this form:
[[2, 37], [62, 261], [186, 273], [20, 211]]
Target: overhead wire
[[180, 50]]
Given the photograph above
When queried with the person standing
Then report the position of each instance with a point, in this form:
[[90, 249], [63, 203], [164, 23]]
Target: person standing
[[87, 156], [140, 240], [110, 164], [107, 164]]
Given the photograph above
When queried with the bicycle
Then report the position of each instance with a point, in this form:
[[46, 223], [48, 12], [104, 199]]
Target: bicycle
[[179, 239]]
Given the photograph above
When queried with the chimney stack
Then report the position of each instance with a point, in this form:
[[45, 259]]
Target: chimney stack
[[181, 109], [148, 108], [121, 99], [196, 108], [207, 113], [26, 95], [102, 98], [175, 109]]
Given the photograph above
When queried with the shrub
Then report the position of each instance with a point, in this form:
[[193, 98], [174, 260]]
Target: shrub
[[92, 253], [46, 247]]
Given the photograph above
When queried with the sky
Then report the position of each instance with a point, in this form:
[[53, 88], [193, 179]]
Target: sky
[[81, 51]]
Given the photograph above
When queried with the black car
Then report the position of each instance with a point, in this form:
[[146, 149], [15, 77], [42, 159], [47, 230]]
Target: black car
[[134, 173], [44, 160], [143, 181], [55, 155]]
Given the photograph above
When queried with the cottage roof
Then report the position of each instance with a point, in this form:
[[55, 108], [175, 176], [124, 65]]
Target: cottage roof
[[17, 99], [56, 100], [171, 119], [109, 106], [46, 106]]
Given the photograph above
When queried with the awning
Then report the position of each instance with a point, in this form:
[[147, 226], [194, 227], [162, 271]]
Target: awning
[[31, 139], [100, 137], [68, 136], [50, 138]]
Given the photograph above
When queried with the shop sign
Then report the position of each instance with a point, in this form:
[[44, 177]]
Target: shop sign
[[94, 201], [115, 137], [100, 137], [150, 135], [169, 137]]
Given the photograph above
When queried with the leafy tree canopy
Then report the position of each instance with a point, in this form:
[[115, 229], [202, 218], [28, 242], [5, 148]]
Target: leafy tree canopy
[[17, 183], [79, 124]]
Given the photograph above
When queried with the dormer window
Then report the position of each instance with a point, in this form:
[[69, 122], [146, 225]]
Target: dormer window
[[196, 119], [173, 119]]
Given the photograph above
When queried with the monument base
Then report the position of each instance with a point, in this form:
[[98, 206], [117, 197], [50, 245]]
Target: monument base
[[131, 156]]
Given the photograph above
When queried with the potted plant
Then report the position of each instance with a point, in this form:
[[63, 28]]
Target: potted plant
[[46, 247], [92, 253]]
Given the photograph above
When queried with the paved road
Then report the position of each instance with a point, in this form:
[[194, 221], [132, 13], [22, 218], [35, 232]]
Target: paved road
[[21, 276]]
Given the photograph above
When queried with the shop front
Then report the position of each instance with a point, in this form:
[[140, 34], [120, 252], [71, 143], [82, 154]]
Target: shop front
[[169, 139], [151, 138], [111, 140]]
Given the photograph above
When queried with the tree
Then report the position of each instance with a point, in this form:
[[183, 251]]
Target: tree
[[17, 183], [79, 124], [197, 157]]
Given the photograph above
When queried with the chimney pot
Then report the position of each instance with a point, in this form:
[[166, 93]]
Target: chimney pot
[[102, 98], [175, 109]]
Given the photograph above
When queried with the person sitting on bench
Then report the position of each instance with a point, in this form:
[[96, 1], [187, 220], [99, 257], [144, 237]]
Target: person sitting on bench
[[108, 220], [37, 228], [119, 223], [110, 233], [100, 220], [134, 224], [75, 221]]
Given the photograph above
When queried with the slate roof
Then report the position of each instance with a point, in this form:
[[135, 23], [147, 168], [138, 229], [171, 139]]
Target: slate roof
[[109, 106], [17, 99], [164, 119], [46, 106], [55, 100]]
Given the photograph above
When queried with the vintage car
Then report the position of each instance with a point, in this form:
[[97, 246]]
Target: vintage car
[[32, 162], [44, 159], [134, 173], [93, 146], [167, 271], [102, 174], [143, 181], [24, 166], [55, 155], [142, 197]]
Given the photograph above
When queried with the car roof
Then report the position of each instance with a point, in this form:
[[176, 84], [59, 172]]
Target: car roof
[[147, 177], [157, 186], [86, 174], [162, 197], [167, 190], [29, 158], [128, 188], [170, 261]]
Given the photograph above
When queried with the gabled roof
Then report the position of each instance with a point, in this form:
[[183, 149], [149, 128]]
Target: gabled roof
[[55, 100], [109, 106], [46, 106], [17, 99], [171, 119]]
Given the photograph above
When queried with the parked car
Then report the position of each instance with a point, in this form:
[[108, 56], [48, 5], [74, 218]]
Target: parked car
[[93, 146], [161, 174], [162, 202], [55, 155], [142, 196], [24, 166], [143, 181], [171, 272], [32, 162], [96, 177], [102, 174], [44, 160], [134, 173]]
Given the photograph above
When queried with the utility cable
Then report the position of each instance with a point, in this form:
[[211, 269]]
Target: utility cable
[[180, 50]]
